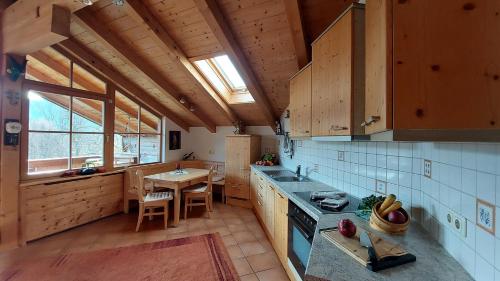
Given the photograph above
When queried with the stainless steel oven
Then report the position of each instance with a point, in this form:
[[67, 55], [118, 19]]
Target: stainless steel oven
[[301, 228]]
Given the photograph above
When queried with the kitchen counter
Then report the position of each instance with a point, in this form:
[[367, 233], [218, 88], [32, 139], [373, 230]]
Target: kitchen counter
[[327, 262]]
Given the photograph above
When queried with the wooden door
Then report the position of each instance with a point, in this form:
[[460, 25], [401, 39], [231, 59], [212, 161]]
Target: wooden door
[[269, 209], [281, 227], [332, 80], [237, 166], [378, 87], [446, 64], [300, 103]]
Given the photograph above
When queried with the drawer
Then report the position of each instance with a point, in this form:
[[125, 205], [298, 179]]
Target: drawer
[[237, 190]]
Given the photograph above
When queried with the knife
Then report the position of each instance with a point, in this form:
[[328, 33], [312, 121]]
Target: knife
[[366, 241]]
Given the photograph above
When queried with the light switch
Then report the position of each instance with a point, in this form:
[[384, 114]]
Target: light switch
[[428, 168], [381, 187], [340, 156]]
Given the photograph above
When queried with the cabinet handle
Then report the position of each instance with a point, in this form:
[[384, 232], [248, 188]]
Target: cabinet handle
[[338, 128], [281, 196], [307, 132], [371, 120]]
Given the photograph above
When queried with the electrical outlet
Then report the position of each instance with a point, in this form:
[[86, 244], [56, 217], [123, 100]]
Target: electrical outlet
[[316, 168], [460, 225], [428, 168], [340, 156], [381, 187]]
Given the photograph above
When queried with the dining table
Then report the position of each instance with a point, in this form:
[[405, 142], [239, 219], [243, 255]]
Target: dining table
[[178, 180]]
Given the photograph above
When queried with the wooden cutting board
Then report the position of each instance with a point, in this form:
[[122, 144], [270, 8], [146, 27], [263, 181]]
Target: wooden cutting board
[[353, 248]]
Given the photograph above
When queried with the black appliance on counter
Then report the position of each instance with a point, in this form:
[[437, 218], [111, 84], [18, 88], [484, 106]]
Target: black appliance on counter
[[351, 207], [301, 228]]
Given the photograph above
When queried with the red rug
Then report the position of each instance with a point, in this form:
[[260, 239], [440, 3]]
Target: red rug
[[197, 258]]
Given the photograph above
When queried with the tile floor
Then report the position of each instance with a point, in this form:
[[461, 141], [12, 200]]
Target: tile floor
[[246, 242]]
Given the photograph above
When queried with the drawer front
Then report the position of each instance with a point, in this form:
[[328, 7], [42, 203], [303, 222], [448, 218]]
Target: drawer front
[[237, 190]]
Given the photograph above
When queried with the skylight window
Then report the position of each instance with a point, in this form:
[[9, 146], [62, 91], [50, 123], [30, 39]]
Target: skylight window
[[224, 77]]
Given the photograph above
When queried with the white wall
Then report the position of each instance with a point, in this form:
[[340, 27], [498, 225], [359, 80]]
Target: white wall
[[210, 146]]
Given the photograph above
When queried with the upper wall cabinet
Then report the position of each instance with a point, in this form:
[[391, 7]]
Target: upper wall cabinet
[[300, 103], [338, 77], [432, 69]]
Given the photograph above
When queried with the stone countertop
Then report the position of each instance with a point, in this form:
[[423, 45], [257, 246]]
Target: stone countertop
[[327, 262]]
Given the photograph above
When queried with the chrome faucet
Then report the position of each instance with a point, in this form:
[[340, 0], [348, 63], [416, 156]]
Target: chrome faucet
[[298, 171]]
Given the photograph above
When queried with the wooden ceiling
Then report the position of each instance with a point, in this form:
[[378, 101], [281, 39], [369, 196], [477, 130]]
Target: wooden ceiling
[[152, 44]]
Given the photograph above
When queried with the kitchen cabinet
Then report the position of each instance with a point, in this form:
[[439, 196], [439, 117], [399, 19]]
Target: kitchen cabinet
[[300, 103], [269, 209], [281, 227], [338, 76], [428, 79], [241, 151]]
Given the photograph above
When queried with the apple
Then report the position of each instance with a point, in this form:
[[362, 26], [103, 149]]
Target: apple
[[347, 228], [396, 217]]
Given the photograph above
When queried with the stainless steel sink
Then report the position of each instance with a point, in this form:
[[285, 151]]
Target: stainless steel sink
[[285, 176], [292, 179]]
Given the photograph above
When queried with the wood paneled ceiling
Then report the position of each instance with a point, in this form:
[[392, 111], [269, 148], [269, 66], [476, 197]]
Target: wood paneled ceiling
[[262, 39]]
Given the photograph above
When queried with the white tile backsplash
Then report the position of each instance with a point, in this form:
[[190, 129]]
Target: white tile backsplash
[[460, 174]]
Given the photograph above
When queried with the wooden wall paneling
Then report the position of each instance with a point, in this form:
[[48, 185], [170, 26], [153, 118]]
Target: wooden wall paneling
[[300, 103], [378, 94], [446, 76], [9, 166], [302, 49], [109, 127], [83, 57], [53, 207], [86, 19], [319, 14], [217, 22], [139, 12], [338, 77]]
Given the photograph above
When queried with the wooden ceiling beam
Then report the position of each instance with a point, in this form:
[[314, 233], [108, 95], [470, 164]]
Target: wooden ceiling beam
[[85, 58], [86, 19], [294, 15], [220, 28], [141, 14], [84, 83]]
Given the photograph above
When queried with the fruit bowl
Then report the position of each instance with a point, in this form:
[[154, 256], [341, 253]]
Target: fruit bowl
[[379, 223]]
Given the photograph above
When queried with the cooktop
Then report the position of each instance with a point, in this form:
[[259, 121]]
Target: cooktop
[[351, 207]]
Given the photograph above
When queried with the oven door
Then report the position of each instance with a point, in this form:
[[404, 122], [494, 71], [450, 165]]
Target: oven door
[[299, 244]]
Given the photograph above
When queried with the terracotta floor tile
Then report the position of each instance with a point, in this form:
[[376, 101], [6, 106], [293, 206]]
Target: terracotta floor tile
[[235, 252], [252, 248], [266, 245], [237, 227], [274, 274], [242, 266], [263, 261], [249, 277], [229, 240], [244, 236]]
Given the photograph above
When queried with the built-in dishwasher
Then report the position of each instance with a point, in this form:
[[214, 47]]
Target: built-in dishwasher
[[301, 228]]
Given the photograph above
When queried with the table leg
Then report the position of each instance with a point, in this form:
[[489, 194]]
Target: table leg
[[177, 206]]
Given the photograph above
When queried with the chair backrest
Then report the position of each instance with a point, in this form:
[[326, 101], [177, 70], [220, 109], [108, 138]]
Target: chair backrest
[[198, 164], [210, 176], [139, 184]]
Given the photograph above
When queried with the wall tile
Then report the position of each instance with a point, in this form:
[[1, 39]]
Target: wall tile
[[405, 164], [484, 270], [405, 149], [392, 162], [486, 187], [469, 181], [486, 160]]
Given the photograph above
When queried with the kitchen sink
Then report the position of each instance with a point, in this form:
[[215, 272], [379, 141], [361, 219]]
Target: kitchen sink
[[291, 179]]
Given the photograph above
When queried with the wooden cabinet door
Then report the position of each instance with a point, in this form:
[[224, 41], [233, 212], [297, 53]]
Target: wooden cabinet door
[[332, 80], [300, 103], [281, 227], [237, 166], [269, 209], [446, 64], [378, 58]]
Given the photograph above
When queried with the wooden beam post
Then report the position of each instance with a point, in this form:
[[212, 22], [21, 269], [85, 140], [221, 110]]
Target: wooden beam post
[[86, 19], [220, 28], [294, 15], [79, 54], [140, 13]]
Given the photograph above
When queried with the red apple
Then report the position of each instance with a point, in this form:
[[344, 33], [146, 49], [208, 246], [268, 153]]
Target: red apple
[[347, 227], [396, 217]]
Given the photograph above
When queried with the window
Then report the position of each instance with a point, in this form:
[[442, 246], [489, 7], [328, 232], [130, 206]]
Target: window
[[223, 76], [51, 67], [64, 132], [137, 138]]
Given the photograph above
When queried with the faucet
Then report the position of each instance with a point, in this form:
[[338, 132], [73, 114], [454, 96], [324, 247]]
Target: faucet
[[298, 171]]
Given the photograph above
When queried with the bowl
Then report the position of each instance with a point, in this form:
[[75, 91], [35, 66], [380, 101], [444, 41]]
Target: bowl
[[379, 223]]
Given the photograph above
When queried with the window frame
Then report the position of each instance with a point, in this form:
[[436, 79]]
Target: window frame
[[138, 133]]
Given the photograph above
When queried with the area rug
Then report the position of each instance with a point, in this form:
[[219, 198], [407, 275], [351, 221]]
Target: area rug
[[197, 258]]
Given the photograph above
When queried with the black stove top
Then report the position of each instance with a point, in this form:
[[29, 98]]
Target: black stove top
[[351, 207]]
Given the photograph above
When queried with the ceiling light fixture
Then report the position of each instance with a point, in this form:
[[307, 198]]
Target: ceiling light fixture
[[191, 108], [86, 2], [119, 2]]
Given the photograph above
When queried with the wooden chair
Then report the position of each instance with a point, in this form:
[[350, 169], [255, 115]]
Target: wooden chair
[[150, 201], [203, 193]]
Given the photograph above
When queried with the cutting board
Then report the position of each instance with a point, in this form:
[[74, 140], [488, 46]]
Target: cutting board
[[388, 254]]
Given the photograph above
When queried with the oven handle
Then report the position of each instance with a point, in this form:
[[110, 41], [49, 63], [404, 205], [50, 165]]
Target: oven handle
[[300, 226]]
